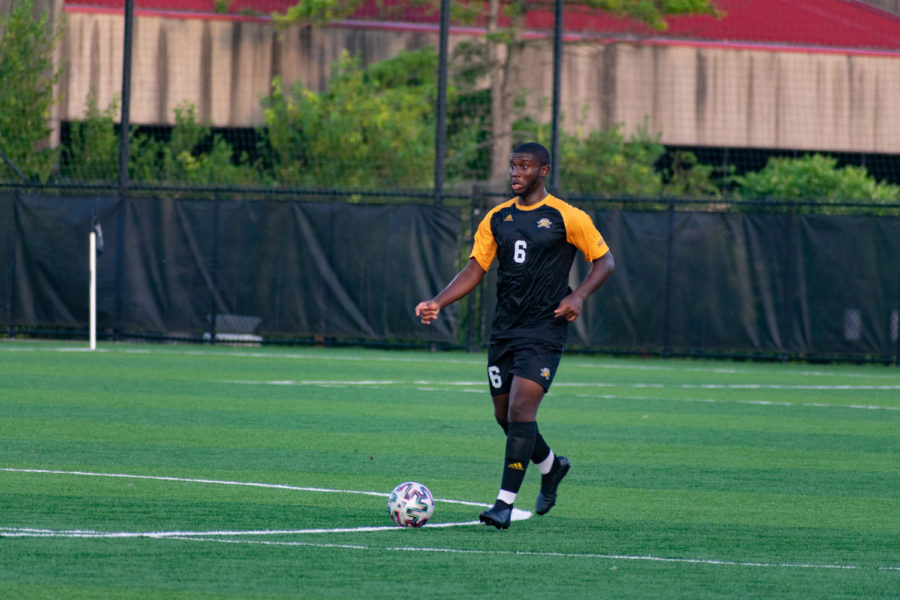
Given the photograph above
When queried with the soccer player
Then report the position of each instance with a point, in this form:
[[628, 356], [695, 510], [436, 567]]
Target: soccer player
[[534, 237]]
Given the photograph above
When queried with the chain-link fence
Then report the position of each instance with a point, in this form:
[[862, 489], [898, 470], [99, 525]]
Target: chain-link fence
[[774, 109], [272, 93], [301, 270]]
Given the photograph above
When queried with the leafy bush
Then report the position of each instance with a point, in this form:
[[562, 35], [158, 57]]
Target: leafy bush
[[92, 154], [26, 92], [191, 156], [370, 128], [814, 178], [689, 178], [605, 163]]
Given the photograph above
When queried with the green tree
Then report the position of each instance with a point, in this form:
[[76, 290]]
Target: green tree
[[815, 178], [503, 49], [506, 47], [316, 12], [192, 155], [689, 178], [609, 164], [605, 163], [370, 127], [92, 153], [27, 77]]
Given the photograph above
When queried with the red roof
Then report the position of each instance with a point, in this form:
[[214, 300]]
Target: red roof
[[823, 23]]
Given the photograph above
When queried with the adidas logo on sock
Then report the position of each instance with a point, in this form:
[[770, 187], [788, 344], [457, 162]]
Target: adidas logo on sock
[[515, 465]]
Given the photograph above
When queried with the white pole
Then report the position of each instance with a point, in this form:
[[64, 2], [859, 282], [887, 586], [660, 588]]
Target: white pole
[[93, 293]]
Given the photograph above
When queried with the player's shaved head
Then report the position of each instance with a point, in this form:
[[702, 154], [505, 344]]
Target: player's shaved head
[[535, 150]]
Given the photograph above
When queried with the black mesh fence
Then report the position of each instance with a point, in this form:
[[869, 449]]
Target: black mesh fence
[[293, 270], [695, 283], [746, 171], [227, 269]]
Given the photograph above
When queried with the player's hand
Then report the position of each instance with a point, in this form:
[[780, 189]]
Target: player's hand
[[569, 308], [428, 311]]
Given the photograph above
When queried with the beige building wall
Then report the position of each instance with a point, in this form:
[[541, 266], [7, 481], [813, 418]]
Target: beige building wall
[[706, 96]]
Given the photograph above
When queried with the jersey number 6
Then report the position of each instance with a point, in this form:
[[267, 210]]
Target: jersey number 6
[[519, 251]]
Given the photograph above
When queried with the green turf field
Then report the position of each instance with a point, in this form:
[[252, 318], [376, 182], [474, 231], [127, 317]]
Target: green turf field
[[182, 471]]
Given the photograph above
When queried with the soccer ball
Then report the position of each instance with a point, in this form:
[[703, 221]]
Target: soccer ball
[[410, 504]]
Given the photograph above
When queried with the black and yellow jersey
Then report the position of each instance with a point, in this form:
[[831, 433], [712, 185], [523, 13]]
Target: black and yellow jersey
[[535, 247]]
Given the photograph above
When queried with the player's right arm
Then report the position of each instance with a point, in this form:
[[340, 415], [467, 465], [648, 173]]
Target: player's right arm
[[464, 282], [483, 252]]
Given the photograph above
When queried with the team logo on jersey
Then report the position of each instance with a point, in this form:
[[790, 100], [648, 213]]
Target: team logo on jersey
[[544, 223], [545, 373], [508, 217]]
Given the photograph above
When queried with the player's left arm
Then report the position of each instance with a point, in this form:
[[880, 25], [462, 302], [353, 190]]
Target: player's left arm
[[582, 233], [570, 307]]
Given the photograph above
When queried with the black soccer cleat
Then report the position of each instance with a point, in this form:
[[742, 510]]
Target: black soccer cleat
[[498, 515], [549, 482]]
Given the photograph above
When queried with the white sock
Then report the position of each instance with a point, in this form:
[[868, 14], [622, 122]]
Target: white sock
[[507, 496], [546, 465]]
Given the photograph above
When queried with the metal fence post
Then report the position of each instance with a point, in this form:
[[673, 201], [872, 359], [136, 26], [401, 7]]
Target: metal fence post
[[670, 248], [124, 155], [557, 76], [214, 267], [897, 341], [440, 137], [475, 305], [13, 241], [127, 44]]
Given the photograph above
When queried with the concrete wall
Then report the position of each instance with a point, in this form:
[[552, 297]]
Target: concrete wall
[[741, 98], [711, 96]]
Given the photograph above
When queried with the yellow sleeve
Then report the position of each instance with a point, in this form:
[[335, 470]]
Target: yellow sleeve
[[582, 233], [485, 247]]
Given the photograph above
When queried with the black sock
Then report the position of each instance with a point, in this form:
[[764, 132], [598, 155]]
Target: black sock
[[541, 448], [519, 447]]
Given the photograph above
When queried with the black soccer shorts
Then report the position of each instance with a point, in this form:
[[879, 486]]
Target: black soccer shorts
[[536, 360]]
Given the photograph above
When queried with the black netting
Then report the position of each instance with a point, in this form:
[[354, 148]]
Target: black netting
[[233, 270]]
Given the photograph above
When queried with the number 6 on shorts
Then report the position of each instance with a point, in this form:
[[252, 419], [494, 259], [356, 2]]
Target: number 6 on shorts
[[494, 376]]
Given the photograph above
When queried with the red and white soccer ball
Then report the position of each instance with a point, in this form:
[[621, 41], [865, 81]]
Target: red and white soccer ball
[[410, 504]]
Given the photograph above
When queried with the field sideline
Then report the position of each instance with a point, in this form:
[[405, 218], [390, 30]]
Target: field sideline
[[188, 471]]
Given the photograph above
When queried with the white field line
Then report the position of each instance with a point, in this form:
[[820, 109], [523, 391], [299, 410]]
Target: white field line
[[564, 555], [592, 366], [90, 534], [245, 354], [775, 386], [614, 364], [753, 402], [232, 537], [518, 515], [686, 386], [475, 386], [588, 555], [276, 486]]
